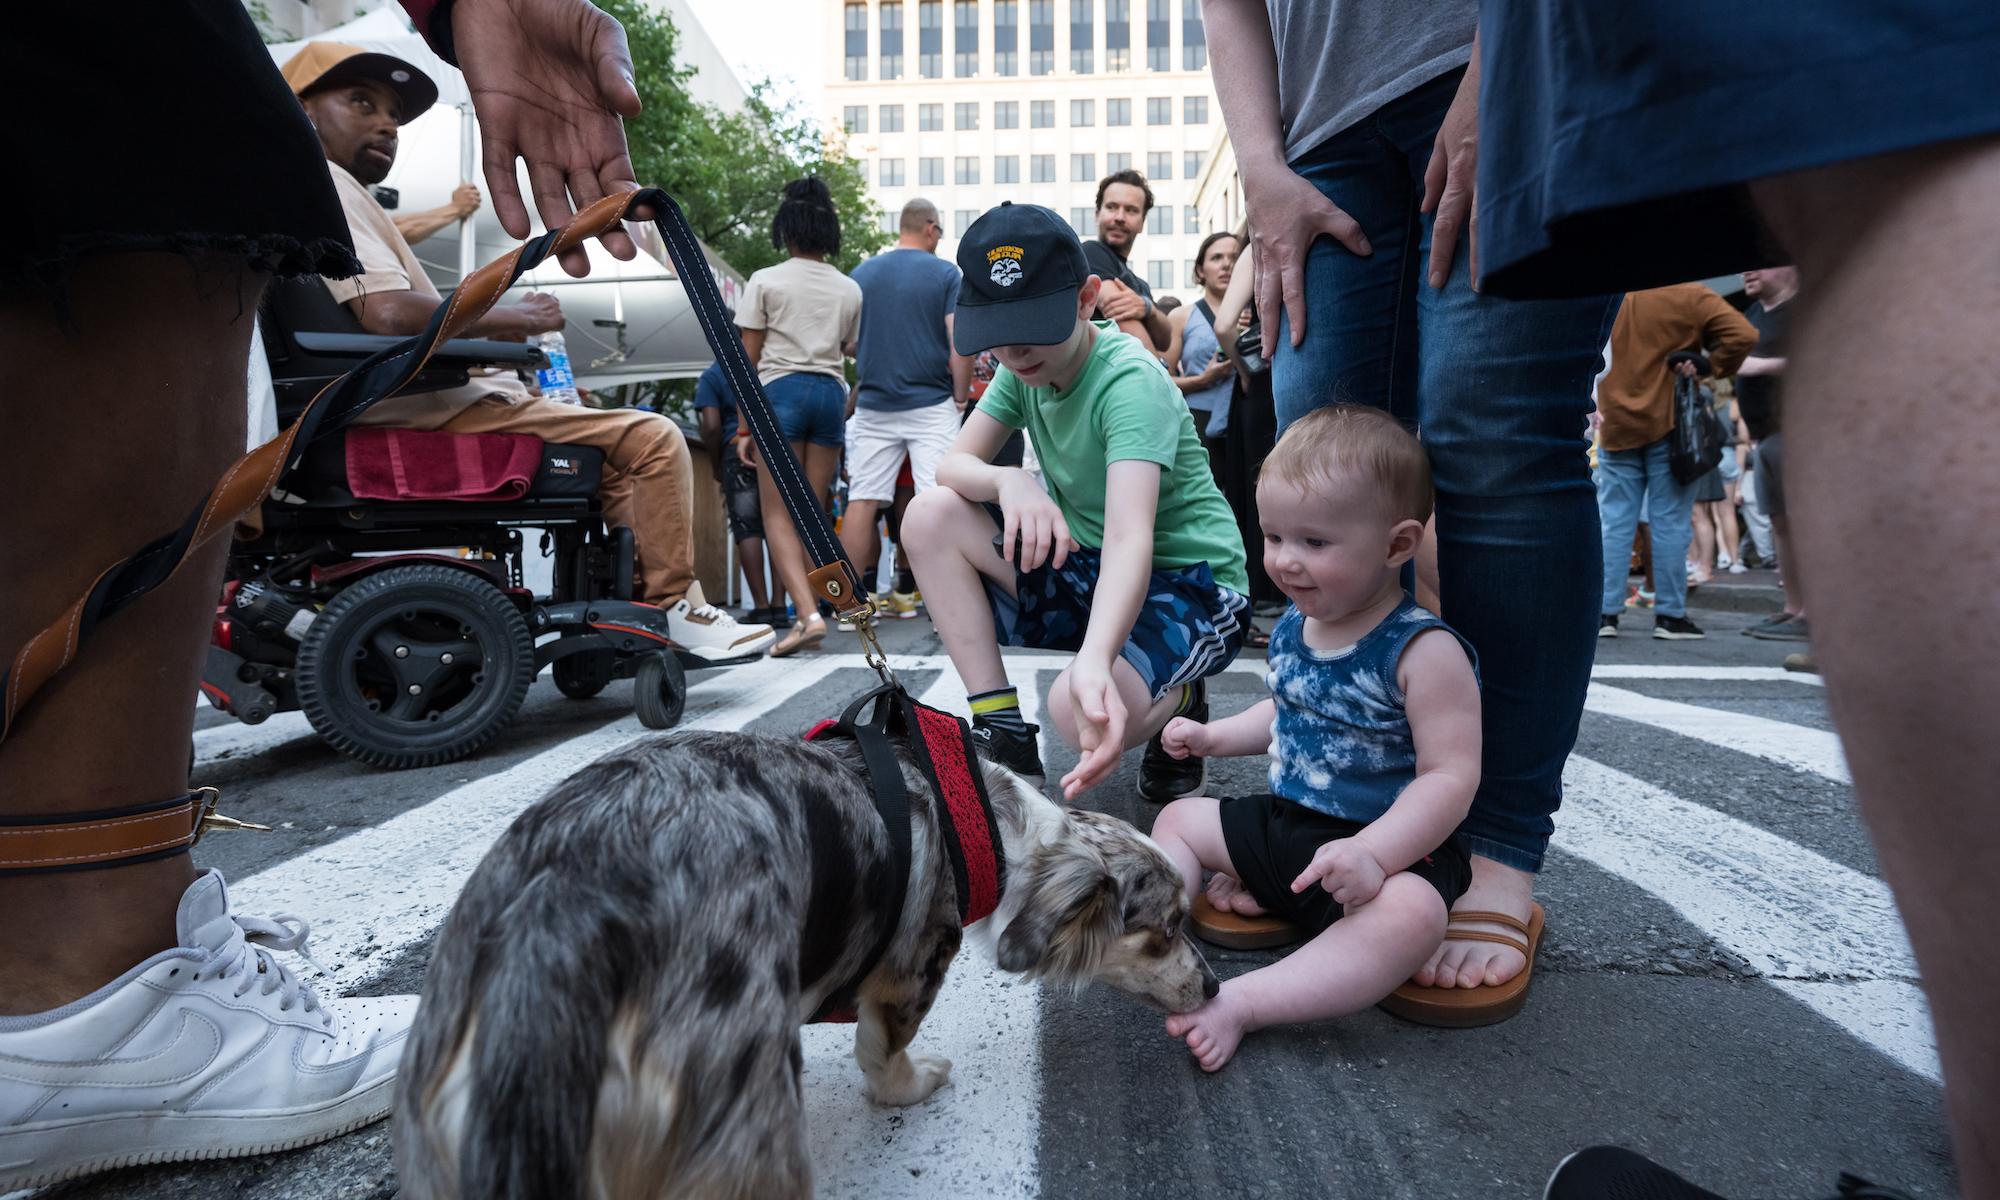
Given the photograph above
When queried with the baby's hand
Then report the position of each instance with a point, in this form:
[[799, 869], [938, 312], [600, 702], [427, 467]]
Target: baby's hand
[[1346, 869], [1183, 737]]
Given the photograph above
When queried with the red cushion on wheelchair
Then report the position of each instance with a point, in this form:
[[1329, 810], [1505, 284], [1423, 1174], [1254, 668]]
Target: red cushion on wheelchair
[[409, 464]]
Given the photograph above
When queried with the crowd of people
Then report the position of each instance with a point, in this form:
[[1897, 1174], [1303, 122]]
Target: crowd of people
[[1448, 219]]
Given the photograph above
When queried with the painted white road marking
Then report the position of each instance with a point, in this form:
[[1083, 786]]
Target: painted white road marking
[[1796, 746], [1743, 674], [1822, 932]]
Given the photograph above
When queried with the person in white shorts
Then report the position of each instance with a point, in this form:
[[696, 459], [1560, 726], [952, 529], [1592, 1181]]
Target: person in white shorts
[[911, 388]]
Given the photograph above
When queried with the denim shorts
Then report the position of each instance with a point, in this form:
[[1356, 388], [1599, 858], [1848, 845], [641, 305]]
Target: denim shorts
[[810, 408], [1189, 627]]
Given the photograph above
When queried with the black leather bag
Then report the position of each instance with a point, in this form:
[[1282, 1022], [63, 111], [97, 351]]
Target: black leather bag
[[1694, 444]]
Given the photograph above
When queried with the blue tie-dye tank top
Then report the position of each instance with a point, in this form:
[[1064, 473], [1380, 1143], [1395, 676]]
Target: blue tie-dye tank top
[[1341, 744]]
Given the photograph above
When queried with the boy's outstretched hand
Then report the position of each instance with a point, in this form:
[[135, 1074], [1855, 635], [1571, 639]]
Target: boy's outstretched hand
[[1100, 727], [1346, 869], [1183, 737]]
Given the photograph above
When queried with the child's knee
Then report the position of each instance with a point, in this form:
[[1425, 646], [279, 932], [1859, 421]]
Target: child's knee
[[1192, 819], [1415, 902], [928, 518]]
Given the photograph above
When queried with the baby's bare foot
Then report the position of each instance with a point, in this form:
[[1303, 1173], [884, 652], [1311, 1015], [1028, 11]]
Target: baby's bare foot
[[1213, 1030], [1229, 895]]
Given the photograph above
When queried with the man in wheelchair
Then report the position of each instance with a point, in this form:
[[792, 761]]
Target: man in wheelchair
[[356, 101]]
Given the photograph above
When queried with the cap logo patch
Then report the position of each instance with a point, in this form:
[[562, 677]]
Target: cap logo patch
[[1006, 262], [400, 76]]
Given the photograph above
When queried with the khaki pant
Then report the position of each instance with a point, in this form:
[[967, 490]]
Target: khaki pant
[[647, 480]]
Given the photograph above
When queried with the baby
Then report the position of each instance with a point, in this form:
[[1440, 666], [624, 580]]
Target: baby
[[1373, 733]]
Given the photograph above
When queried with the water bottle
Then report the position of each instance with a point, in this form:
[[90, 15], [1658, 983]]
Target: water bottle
[[555, 379]]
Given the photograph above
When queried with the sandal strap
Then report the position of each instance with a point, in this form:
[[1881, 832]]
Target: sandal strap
[[1480, 935], [1495, 918]]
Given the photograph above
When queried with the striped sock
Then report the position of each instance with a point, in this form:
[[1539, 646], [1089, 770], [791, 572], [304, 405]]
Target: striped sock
[[1000, 708]]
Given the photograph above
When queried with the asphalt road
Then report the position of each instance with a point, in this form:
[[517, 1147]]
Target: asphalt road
[[1723, 984]]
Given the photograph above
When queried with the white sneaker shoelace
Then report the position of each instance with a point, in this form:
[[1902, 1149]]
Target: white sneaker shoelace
[[247, 957], [711, 615]]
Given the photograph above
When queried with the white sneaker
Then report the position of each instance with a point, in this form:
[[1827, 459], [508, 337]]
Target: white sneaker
[[209, 1050], [1737, 568], [706, 630], [1723, 562]]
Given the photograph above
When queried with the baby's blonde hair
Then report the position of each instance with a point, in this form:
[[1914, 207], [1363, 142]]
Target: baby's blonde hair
[[1349, 444]]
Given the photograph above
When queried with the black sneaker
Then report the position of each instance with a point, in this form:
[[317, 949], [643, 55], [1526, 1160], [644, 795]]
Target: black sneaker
[[1018, 752], [1613, 1173], [1607, 625], [1676, 629], [1164, 778]]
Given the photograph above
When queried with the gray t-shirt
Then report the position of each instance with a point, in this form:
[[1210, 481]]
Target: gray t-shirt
[[1339, 60], [903, 360]]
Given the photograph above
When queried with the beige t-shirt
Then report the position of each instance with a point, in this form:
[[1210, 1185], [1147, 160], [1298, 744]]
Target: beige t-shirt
[[389, 265], [808, 310]]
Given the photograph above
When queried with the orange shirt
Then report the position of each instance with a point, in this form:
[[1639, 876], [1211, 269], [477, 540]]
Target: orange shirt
[[1636, 395]]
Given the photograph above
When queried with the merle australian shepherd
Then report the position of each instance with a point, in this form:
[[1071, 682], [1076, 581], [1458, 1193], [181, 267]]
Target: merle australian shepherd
[[613, 1007]]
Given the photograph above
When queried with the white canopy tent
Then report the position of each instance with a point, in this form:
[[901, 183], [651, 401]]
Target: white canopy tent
[[438, 151]]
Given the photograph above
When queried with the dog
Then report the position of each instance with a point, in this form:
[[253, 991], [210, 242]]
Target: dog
[[613, 1004]]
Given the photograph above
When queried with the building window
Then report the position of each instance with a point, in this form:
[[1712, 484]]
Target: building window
[[930, 39], [1006, 168], [965, 116], [930, 172], [1006, 114], [1041, 37], [930, 117], [892, 118], [1160, 220], [891, 18], [1082, 37], [1083, 168], [1041, 114], [1190, 219], [964, 218], [1192, 164], [1160, 273], [965, 38], [1194, 37], [965, 170], [1117, 112], [1082, 112], [1117, 35], [1159, 32], [1006, 37], [1079, 220], [892, 172], [1114, 163], [857, 41], [890, 223], [1159, 164], [1194, 110], [854, 118], [1042, 168], [1160, 110]]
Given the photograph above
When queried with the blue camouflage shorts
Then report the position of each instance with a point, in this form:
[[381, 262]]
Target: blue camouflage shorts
[[1190, 627]]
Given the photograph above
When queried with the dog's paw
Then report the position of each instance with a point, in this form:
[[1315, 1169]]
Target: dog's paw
[[917, 1076]]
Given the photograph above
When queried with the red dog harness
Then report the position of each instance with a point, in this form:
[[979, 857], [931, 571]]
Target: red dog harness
[[942, 746]]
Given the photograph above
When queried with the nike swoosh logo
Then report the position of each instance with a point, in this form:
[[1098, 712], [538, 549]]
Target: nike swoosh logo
[[195, 1046]]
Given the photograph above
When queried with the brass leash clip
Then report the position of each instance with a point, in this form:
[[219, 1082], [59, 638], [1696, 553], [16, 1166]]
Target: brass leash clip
[[210, 819]]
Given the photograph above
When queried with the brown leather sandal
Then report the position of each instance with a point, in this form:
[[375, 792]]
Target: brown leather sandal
[[1465, 1008], [803, 636], [1234, 931]]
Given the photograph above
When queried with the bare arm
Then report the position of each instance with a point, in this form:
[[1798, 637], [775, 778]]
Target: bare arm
[[1441, 697], [967, 467], [1762, 365], [961, 370], [1132, 491], [709, 421], [417, 226], [406, 313], [1246, 733]]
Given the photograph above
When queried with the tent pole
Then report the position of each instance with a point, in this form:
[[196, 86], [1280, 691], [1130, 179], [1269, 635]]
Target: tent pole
[[468, 251]]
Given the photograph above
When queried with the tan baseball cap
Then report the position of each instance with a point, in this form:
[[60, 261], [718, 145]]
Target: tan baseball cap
[[319, 64]]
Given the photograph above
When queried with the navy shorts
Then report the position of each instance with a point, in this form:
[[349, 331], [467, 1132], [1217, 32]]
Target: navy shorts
[[810, 408], [1617, 142], [1190, 627], [739, 496], [1270, 840]]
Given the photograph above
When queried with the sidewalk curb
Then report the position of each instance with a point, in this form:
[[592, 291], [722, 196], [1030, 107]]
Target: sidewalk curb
[[1758, 597]]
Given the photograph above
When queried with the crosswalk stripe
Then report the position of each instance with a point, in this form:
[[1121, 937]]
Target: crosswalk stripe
[[1823, 933], [1697, 672], [980, 1136], [1796, 746], [381, 889]]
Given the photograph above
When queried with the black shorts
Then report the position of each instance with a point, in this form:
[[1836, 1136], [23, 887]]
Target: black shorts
[[166, 130], [739, 497], [1270, 840], [1770, 464]]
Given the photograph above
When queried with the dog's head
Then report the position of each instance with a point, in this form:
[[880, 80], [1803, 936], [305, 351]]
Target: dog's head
[[1098, 900]]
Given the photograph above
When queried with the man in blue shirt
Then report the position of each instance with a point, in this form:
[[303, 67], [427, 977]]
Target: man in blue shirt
[[911, 387]]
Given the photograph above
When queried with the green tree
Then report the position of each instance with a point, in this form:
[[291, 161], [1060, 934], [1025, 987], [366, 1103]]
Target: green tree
[[729, 169]]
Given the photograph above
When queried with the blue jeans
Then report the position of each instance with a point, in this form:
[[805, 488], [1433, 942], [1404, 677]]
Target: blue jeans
[[1500, 391], [810, 407], [1624, 479]]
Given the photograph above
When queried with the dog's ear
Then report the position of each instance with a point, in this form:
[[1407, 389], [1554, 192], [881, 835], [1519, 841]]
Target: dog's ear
[[1067, 919]]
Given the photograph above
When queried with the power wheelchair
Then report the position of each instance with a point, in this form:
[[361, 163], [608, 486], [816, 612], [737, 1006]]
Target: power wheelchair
[[403, 629]]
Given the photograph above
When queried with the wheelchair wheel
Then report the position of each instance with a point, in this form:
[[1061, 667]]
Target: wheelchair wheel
[[659, 691], [581, 676], [415, 666]]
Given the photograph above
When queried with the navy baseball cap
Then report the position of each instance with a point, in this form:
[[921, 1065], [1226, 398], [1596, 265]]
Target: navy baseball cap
[[1022, 268]]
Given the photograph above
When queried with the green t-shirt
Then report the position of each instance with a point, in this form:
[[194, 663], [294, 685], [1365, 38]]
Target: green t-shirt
[[1125, 407]]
